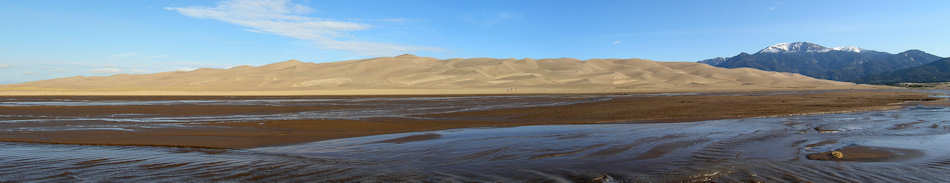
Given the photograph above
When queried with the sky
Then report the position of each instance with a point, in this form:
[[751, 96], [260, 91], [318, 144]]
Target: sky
[[44, 39]]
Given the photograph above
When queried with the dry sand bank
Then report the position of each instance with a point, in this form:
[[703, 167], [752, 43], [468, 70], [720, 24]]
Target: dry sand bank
[[283, 132], [412, 75]]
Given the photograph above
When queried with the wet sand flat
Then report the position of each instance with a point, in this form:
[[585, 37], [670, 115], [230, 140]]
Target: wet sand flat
[[698, 108], [867, 154], [785, 148], [263, 132]]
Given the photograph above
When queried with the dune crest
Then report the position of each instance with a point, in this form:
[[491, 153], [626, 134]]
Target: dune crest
[[409, 74]]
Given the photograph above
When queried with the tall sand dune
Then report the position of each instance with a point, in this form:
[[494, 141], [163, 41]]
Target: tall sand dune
[[408, 74]]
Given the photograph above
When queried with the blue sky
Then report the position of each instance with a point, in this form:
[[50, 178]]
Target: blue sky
[[43, 39]]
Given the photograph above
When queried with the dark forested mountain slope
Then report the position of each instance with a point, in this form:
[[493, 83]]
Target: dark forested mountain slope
[[840, 63], [938, 71]]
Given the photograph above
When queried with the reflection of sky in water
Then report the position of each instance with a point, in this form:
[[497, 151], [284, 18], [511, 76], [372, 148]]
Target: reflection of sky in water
[[721, 151], [615, 147]]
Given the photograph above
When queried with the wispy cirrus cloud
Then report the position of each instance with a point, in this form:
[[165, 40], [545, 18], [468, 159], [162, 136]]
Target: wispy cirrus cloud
[[775, 5], [285, 18], [123, 55], [394, 20], [186, 69], [135, 56]]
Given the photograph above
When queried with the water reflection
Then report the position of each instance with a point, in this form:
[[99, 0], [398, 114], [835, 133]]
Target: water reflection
[[765, 149]]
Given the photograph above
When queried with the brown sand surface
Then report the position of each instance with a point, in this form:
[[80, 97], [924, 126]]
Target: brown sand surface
[[283, 132]]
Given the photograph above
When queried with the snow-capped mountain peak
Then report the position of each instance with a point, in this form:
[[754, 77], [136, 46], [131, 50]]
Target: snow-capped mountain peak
[[794, 47], [848, 49], [806, 47]]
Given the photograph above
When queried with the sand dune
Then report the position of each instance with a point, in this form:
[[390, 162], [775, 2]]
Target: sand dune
[[408, 74]]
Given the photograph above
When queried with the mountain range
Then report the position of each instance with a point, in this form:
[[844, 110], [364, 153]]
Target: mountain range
[[409, 74], [850, 64], [938, 71]]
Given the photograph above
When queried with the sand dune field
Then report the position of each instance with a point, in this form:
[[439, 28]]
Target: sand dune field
[[409, 74]]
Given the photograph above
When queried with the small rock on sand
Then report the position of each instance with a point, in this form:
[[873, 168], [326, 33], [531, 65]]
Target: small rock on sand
[[865, 154]]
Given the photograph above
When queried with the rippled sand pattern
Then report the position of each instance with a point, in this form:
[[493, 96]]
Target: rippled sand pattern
[[66, 163]]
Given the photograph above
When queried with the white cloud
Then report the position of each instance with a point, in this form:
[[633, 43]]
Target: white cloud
[[616, 42], [394, 20], [124, 55], [776, 5], [285, 18], [137, 56], [106, 70], [186, 69]]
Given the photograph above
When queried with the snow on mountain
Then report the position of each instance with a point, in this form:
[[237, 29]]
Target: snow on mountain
[[806, 47], [848, 49], [849, 63]]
